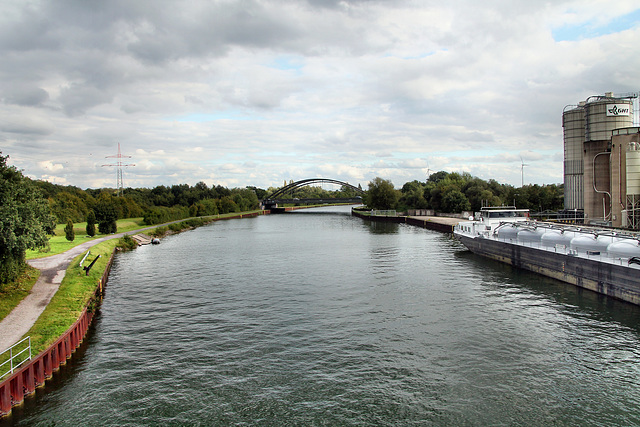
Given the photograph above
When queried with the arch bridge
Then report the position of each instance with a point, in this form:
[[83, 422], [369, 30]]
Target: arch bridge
[[271, 202]]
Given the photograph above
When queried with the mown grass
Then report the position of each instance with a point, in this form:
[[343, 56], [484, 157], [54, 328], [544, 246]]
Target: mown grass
[[14, 293], [75, 292], [59, 244]]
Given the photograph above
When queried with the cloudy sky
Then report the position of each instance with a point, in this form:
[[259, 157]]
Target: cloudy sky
[[255, 92]]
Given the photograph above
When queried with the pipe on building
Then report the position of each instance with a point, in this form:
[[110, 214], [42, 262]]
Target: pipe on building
[[604, 210]]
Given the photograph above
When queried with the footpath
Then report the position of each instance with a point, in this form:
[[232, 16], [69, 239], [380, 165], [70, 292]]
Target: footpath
[[52, 271]]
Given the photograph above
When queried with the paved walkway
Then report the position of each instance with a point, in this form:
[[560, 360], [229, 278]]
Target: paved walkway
[[52, 271]]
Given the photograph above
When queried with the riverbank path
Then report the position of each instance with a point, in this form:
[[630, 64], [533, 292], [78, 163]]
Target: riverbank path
[[445, 220], [52, 271]]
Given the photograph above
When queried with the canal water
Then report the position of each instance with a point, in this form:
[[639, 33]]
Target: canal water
[[319, 318]]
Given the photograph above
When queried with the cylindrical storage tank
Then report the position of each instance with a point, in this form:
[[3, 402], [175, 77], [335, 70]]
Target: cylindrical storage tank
[[625, 248], [556, 237], [529, 235], [605, 115], [508, 232], [589, 242], [573, 124], [633, 169]]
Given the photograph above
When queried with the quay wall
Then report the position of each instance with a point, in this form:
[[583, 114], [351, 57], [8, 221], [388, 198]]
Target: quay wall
[[431, 224], [616, 281], [34, 373]]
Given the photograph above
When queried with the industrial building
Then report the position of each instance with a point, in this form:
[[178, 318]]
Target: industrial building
[[602, 160]]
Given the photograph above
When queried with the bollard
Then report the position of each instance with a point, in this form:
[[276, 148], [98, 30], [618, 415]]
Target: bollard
[[91, 265]]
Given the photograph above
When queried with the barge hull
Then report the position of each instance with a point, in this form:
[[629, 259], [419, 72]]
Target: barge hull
[[616, 281]]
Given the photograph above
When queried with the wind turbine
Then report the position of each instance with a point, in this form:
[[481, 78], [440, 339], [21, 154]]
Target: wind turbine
[[523, 164]]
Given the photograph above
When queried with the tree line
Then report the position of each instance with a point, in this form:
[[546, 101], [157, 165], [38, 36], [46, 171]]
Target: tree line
[[156, 205], [453, 192], [163, 203]]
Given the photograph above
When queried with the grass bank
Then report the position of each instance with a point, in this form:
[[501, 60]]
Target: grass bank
[[15, 292], [75, 292], [59, 244]]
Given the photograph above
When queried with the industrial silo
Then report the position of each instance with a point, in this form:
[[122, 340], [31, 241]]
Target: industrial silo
[[603, 115], [573, 124], [606, 114]]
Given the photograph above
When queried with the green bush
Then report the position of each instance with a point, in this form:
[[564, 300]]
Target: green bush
[[69, 234], [91, 224], [159, 232], [161, 214], [127, 243]]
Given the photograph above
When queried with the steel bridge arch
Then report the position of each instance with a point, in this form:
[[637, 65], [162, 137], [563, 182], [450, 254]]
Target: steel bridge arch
[[309, 181]]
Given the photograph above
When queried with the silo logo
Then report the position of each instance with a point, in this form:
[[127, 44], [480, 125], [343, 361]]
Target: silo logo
[[618, 110]]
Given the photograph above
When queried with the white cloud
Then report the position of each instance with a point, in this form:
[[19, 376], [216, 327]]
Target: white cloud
[[50, 167]]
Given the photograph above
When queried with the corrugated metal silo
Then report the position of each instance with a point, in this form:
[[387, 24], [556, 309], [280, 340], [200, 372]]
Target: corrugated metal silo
[[573, 123], [605, 115], [633, 169]]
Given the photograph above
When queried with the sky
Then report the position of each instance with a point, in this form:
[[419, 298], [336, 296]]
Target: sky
[[258, 92]]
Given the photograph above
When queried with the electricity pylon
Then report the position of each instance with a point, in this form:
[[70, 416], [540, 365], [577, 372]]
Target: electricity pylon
[[119, 165]]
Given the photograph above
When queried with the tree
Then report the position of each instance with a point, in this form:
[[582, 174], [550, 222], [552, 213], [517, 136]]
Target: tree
[[381, 194], [227, 205], [25, 220], [65, 205], [413, 196], [69, 234], [455, 201], [91, 224], [106, 213], [438, 176]]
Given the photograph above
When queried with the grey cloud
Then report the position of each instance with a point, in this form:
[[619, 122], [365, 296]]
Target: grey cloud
[[78, 98], [27, 126], [29, 31], [25, 95], [197, 32]]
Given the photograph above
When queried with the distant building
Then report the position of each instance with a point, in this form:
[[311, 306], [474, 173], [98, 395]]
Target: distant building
[[602, 160]]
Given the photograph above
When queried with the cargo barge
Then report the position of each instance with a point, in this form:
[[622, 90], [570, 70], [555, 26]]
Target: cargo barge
[[606, 261]]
